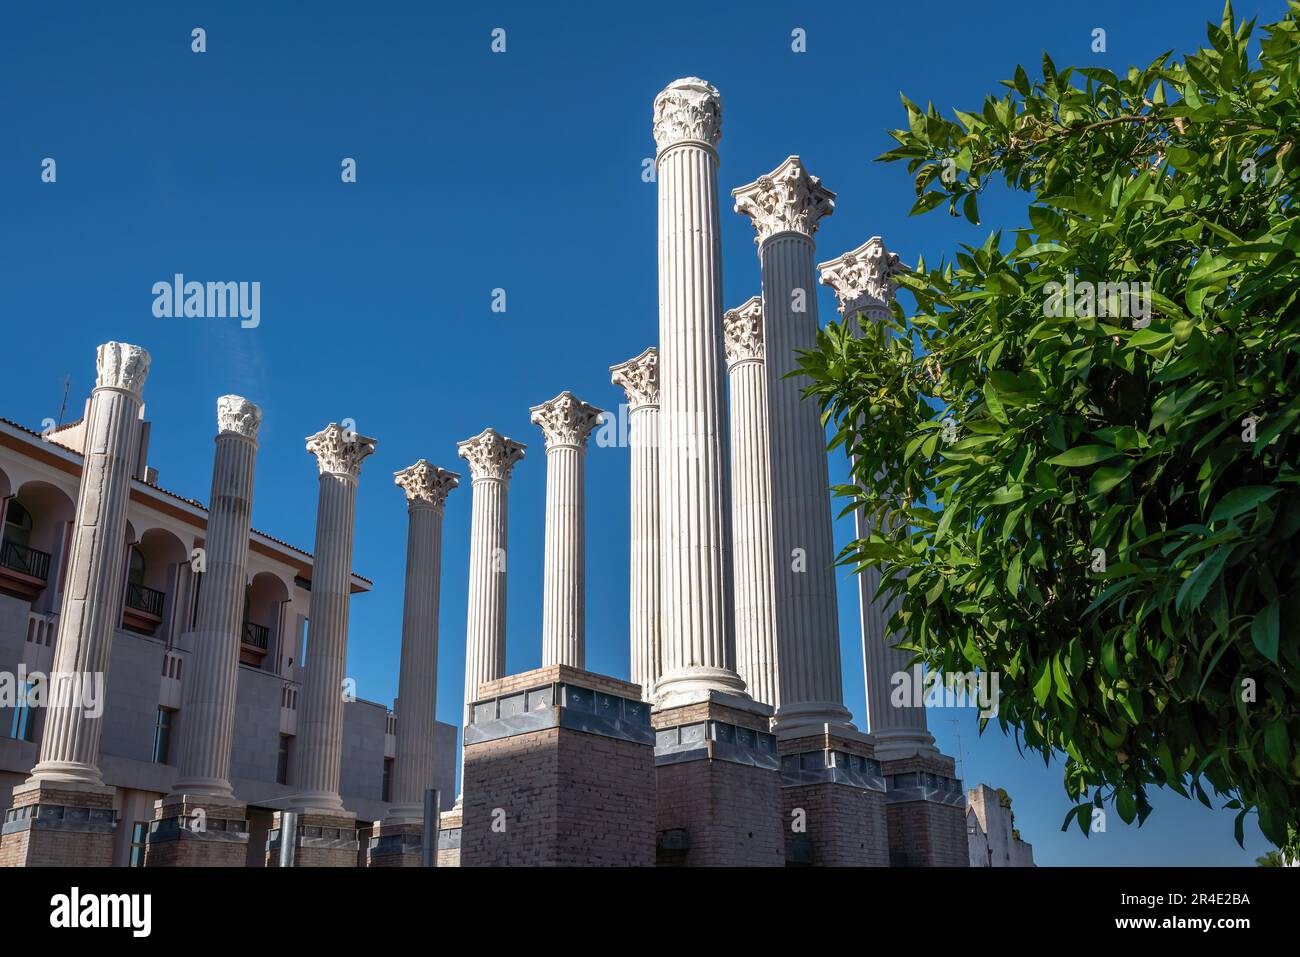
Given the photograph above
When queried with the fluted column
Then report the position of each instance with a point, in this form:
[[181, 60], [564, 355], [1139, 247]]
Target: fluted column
[[566, 421], [786, 206], [212, 680], [696, 641], [314, 769], [863, 281], [751, 503], [491, 457], [426, 488], [92, 603], [639, 378]]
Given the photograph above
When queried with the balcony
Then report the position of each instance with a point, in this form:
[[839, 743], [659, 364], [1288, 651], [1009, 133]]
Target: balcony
[[144, 608], [23, 570], [253, 643]]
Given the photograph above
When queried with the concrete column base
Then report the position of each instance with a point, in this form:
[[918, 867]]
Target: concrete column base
[[833, 801], [324, 839], [59, 825], [559, 772], [192, 831], [396, 845], [449, 834], [719, 784], [926, 809]]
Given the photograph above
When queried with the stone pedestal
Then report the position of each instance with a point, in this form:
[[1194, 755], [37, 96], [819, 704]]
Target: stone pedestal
[[191, 831], [926, 810], [59, 825], [559, 771], [833, 801], [449, 835], [323, 839], [396, 844], [719, 784]]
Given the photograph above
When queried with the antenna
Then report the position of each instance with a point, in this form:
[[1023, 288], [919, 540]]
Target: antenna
[[63, 406], [961, 769]]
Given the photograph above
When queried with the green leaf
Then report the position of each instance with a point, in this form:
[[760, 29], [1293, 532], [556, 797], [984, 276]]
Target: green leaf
[[1241, 500], [1084, 455], [1197, 584], [1264, 630]]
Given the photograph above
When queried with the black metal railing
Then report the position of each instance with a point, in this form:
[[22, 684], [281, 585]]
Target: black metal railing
[[145, 599], [28, 561], [257, 636]]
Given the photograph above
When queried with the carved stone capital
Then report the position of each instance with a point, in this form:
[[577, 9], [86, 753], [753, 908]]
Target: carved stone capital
[[566, 420], [339, 451], [639, 378], [863, 279], [786, 200], [426, 484], [688, 109], [120, 365], [490, 455], [236, 414], [742, 331]]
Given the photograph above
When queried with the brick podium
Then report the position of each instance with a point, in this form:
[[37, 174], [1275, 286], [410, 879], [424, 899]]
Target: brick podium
[[833, 788], [926, 807], [719, 784], [323, 839], [449, 833], [186, 832], [58, 825], [559, 771]]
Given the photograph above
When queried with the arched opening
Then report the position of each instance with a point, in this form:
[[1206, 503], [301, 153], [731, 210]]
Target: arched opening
[[36, 534], [263, 612], [151, 577]]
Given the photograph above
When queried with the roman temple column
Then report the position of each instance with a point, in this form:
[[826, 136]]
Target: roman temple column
[[863, 281], [786, 206], [566, 421], [751, 503], [314, 767], [695, 574], [398, 842], [67, 774], [639, 378]]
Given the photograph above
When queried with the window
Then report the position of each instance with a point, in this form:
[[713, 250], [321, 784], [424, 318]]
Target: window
[[386, 792], [23, 725], [282, 760], [135, 568], [139, 832], [162, 735], [18, 524], [302, 641]]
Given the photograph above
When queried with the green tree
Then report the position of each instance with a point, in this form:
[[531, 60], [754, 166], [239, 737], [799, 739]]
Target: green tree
[[1109, 518]]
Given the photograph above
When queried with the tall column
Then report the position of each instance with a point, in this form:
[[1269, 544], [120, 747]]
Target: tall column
[[695, 572], [639, 378], [786, 206], [209, 715], [426, 488], [751, 503], [314, 768], [566, 421], [863, 281], [92, 604], [491, 457]]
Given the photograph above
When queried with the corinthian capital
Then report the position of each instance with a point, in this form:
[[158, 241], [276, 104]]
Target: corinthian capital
[[120, 365], [688, 109], [490, 455], [639, 378], [742, 331], [426, 484], [785, 200], [236, 414], [339, 451], [566, 420], [863, 279]]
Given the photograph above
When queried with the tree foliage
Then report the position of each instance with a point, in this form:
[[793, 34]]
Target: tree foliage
[[1111, 520]]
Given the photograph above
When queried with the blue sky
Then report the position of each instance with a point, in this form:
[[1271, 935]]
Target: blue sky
[[477, 171]]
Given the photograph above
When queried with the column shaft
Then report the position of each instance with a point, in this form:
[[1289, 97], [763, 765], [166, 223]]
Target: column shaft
[[485, 646], [564, 581], [644, 598]]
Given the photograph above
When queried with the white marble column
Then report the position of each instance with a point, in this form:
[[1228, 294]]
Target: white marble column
[[426, 487], [863, 281], [785, 207], [211, 681], [696, 640], [491, 457], [317, 754], [751, 503], [639, 378], [92, 601], [566, 421]]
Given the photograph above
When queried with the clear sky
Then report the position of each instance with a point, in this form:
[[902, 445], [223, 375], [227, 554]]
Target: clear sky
[[477, 171]]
